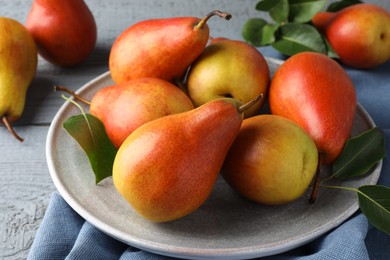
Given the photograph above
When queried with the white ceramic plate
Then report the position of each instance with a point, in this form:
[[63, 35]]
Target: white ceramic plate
[[226, 226]]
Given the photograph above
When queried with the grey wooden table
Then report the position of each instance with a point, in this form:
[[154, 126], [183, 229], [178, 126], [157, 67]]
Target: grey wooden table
[[25, 183]]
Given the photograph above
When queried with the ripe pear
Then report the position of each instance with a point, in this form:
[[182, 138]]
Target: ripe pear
[[231, 69], [315, 92], [18, 64], [359, 34], [124, 107], [159, 48], [65, 31], [167, 168], [272, 160]]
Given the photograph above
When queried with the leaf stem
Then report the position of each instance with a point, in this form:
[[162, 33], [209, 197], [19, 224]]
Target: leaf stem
[[341, 188], [82, 112], [74, 103], [355, 190]]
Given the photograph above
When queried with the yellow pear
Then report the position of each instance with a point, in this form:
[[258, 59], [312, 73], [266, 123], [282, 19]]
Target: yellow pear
[[18, 63], [229, 69], [272, 160]]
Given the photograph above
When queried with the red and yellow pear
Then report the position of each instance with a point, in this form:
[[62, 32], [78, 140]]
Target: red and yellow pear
[[316, 93], [159, 48], [167, 168], [65, 31], [359, 34], [124, 107]]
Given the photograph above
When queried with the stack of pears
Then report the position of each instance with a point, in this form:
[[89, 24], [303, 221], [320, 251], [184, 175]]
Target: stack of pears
[[173, 141], [170, 154], [145, 60], [161, 51]]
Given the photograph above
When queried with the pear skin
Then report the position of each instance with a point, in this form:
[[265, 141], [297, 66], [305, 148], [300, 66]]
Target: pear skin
[[124, 107], [159, 48], [167, 168], [18, 64], [315, 92], [65, 31]]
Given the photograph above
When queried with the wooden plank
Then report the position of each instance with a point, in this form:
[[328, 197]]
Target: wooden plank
[[42, 102], [25, 189], [25, 183]]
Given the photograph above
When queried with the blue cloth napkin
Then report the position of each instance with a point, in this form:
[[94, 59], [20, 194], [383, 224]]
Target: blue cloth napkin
[[63, 234]]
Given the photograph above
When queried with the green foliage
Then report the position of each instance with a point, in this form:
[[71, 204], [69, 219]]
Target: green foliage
[[90, 134], [258, 37], [301, 11], [290, 30], [360, 154], [374, 201], [293, 38], [277, 9]]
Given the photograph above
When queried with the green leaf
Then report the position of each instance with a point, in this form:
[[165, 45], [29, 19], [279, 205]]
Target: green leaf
[[360, 154], [337, 6], [277, 9], [374, 202], [266, 5], [302, 11], [293, 38], [89, 132], [258, 32]]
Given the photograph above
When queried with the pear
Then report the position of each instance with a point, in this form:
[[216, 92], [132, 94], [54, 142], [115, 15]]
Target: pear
[[167, 168], [65, 31], [18, 64], [315, 92], [272, 160], [359, 34], [159, 48], [228, 68], [124, 107]]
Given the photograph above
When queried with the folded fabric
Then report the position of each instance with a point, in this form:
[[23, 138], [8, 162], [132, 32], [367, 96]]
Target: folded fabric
[[63, 234]]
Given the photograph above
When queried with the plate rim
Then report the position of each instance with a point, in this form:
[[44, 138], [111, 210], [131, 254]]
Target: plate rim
[[180, 251]]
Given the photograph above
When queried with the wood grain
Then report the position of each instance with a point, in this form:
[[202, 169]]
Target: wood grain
[[25, 183], [25, 189]]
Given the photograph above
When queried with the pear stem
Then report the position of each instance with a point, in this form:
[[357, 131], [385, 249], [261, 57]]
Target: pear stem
[[249, 104], [314, 192], [221, 14], [10, 129], [76, 96]]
